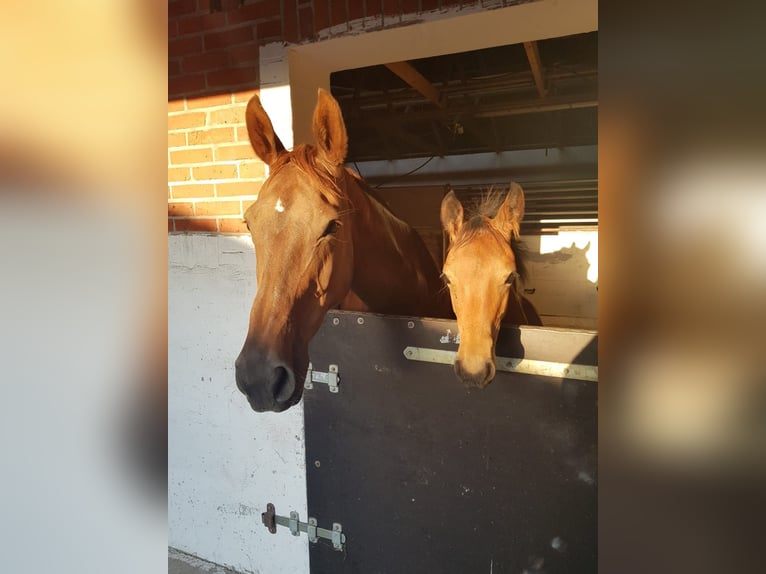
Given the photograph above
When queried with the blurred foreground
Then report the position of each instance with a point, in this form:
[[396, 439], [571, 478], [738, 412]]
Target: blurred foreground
[[83, 332]]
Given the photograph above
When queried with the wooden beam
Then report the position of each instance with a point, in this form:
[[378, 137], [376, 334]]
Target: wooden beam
[[533, 55], [409, 74]]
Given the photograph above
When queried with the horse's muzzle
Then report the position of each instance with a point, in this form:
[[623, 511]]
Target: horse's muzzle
[[269, 385], [480, 377]]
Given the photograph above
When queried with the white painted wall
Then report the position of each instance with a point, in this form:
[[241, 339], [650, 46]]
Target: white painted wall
[[225, 461], [563, 271]]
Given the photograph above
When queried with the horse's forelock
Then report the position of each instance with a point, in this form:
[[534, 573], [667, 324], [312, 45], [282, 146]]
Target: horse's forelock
[[307, 160], [478, 222]]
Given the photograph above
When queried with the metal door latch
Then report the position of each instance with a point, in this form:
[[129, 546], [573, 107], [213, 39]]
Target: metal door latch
[[314, 532], [331, 378]]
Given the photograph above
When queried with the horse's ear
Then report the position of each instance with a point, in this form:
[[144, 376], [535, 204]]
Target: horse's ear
[[511, 212], [452, 215], [265, 141], [330, 134]]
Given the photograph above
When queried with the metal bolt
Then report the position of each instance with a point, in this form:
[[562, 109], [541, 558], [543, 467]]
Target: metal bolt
[[360, 320], [317, 463], [410, 324], [335, 321], [408, 352]]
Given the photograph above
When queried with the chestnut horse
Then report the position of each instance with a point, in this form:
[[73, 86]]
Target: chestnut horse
[[322, 241], [482, 270]]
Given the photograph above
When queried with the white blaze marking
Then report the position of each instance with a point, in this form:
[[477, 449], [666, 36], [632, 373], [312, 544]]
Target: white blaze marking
[[279, 206]]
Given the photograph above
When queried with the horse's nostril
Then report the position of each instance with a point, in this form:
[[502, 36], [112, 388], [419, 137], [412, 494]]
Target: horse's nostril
[[283, 385]]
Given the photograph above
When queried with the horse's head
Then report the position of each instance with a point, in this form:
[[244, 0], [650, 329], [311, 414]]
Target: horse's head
[[480, 269], [304, 254]]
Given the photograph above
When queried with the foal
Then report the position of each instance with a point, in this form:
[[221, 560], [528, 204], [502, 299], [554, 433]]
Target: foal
[[482, 270]]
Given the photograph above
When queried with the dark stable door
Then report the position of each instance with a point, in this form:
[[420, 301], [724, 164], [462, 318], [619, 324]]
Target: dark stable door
[[426, 476]]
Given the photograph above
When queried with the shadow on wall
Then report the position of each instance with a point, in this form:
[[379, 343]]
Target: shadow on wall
[[563, 277]]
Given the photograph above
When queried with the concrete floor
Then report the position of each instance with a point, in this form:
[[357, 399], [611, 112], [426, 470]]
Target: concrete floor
[[182, 563]]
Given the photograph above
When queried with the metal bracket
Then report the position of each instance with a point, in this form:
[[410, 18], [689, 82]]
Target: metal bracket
[[314, 532], [331, 378], [511, 365]]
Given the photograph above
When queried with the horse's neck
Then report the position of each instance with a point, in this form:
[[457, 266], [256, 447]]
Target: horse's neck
[[520, 311], [393, 271]]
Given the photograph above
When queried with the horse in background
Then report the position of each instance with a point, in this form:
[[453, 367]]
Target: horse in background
[[322, 241], [482, 269]]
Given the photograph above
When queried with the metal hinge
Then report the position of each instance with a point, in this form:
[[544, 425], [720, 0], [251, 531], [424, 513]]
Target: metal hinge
[[314, 532], [331, 378]]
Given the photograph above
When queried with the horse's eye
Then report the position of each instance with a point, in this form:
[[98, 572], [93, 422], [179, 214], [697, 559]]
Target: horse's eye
[[511, 278], [444, 278], [332, 227]]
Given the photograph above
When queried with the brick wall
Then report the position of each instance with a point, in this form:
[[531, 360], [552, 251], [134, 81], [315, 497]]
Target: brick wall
[[213, 50]]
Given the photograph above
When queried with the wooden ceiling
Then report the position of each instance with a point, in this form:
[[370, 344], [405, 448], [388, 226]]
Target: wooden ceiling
[[524, 96]]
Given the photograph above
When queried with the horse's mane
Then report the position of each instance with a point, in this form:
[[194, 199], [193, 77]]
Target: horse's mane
[[307, 160], [477, 219], [369, 190]]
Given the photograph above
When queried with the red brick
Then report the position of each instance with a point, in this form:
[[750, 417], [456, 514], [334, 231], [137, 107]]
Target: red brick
[[216, 135], [219, 208], [321, 17], [355, 11], [172, 29], [269, 30], [232, 226], [205, 62], [252, 170], [245, 96], [186, 120], [223, 171], [391, 7], [174, 67], [430, 5], [171, 225], [178, 174], [233, 77], [180, 209], [410, 6], [338, 11], [184, 47], [244, 54], [176, 105], [201, 23], [234, 152], [176, 140], [209, 101], [181, 85], [290, 23], [196, 224], [218, 40], [227, 116], [181, 7], [306, 22], [193, 190], [195, 155], [254, 11], [237, 188], [373, 9]]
